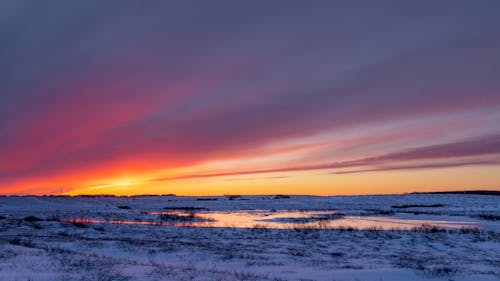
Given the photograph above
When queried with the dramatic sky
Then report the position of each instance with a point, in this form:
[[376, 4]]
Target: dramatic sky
[[250, 97]]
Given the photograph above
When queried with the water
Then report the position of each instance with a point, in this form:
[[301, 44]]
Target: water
[[283, 220]]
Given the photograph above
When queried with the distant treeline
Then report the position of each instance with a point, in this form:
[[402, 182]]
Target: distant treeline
[[476, 192]]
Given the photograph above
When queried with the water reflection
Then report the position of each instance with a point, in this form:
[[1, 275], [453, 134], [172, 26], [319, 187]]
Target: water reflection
[[281, 220]]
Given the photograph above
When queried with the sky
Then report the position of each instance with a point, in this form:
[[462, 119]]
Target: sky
[[249, 97]]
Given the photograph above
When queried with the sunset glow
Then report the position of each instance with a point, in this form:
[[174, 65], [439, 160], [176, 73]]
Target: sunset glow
[[166, 97]]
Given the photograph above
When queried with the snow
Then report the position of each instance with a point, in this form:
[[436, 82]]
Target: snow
[[54, 249]]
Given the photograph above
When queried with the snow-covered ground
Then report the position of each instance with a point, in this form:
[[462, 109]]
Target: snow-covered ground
[[41, 240]]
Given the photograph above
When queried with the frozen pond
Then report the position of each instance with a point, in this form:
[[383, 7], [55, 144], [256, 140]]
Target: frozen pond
[[284, 220]]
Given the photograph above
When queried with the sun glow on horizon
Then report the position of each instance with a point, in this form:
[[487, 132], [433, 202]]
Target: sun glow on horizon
[[271, 103]]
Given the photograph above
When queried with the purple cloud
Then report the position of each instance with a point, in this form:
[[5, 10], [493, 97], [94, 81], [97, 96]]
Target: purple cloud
[[91, 84]]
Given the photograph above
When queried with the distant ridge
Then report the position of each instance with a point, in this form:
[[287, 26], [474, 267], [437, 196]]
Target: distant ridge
[[273, 196], [476, 192]]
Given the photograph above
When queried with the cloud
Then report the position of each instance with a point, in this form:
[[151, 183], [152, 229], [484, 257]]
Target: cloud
[[98, 86], [450, 164], [488, 145]]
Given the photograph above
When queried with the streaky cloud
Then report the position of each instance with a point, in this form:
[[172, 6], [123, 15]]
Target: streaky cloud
[[451, 164], [487, 145]]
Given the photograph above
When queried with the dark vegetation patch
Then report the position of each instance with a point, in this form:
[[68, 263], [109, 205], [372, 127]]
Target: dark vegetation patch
[[176, 217], [488, 217], [19, 242], [417, 206], [79, 224], [232, 197], [32, 219], [475, 192], [474, 230], [312, 218], [428, 228], [206, 199], [281, 196]]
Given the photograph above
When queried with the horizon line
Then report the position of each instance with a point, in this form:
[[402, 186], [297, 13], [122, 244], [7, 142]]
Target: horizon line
[[466, 191]]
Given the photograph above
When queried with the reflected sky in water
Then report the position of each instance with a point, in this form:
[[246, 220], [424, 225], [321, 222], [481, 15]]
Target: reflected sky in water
[[282, 220]]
